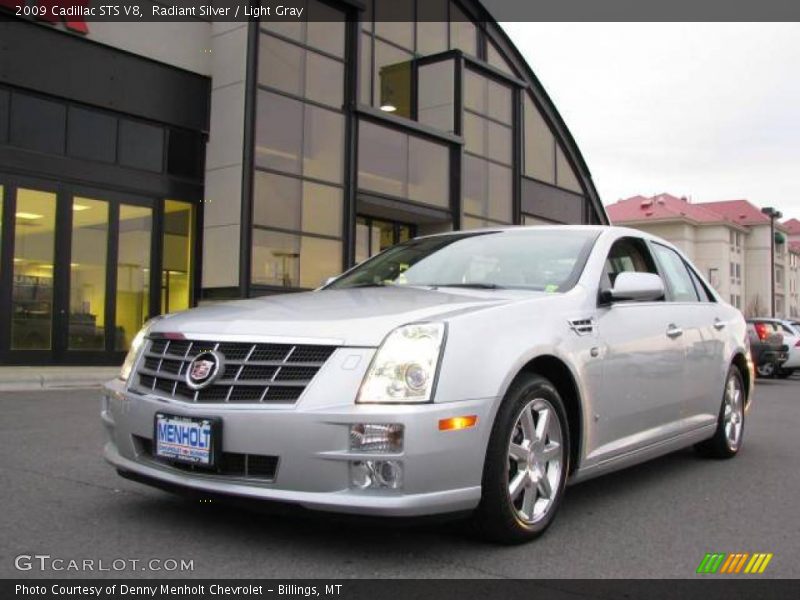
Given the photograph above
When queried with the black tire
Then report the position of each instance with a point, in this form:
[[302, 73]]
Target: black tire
[[784, 373], [766, 370], [719, 446], [496, 517]]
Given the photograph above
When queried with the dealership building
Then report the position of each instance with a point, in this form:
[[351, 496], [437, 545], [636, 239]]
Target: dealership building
[[148, 167]]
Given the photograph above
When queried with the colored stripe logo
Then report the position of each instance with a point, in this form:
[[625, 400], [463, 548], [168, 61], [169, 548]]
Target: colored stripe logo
[[737, 562]]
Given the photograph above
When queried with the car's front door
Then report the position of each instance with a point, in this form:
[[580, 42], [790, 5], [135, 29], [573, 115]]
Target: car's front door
[[641, 389]]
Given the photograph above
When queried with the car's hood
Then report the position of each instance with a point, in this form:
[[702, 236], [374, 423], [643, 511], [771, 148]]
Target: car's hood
[[352, 317]]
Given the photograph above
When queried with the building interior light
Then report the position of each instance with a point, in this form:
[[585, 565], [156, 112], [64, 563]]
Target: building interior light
[[388, 107], [79, 207], [29, 216]]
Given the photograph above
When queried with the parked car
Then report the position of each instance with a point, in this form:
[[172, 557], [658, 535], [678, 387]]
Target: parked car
[[791, 339], [470, 371], [767, 346]]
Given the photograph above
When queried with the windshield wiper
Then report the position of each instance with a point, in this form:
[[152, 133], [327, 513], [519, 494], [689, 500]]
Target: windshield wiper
[[366, 284], [476, 285]]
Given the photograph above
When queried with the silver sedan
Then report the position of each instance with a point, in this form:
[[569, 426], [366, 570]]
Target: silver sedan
[[474, 371]]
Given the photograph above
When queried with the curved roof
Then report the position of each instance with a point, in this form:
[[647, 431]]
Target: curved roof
[[545, 104]]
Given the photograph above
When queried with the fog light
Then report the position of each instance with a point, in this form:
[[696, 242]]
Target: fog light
[[376, 474], [376, 437]]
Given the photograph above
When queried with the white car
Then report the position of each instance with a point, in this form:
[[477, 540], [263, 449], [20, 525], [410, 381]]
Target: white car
[[473, 371], [791, 338]]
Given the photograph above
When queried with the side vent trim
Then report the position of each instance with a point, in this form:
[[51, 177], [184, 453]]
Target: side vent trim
[[582, 326]]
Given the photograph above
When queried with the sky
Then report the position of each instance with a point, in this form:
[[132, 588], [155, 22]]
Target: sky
[[710, 111]]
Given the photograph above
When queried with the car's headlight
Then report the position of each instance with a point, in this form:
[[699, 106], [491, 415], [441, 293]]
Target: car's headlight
[[404, 367], [137, 345]]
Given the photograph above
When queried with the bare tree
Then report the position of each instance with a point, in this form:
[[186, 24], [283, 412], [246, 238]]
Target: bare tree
[[755, 308]]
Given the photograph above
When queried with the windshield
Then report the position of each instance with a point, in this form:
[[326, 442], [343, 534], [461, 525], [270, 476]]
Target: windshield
[[548, 260]]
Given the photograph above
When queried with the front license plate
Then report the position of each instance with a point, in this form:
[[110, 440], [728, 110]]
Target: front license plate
[[186, 439]]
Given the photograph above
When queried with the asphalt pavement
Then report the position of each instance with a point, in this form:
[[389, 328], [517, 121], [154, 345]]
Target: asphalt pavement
[[59, 498]]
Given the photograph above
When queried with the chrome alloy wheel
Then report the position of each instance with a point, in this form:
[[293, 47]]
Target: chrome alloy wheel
[[733, 412], [535, 461]]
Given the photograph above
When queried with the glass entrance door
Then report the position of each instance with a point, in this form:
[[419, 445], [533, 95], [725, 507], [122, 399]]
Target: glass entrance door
[[82, 269], [375, 235]]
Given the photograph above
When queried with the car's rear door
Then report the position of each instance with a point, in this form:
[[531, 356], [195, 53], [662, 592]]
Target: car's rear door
[[703, 325]]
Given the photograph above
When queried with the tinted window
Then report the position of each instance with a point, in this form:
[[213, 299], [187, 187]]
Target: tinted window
[[325, 28], [38, 124], [185, 153], [677, 275], [394, 21], [279, 132], [4, 100], [141, 146], [702, 291], [92, 135], [394, 163]]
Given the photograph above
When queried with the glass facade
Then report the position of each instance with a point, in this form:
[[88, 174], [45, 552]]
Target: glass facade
[[298, 183], [357, 136], [81, 274], [442, 123]]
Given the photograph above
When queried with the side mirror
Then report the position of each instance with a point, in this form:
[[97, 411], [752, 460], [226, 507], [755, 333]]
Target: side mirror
[[639, 287]]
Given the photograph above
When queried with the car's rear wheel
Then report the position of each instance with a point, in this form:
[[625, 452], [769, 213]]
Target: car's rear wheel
[[728, 437], [526, 463], [766, 369]]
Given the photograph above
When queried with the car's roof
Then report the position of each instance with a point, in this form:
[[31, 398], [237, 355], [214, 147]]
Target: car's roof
[[517, 228]]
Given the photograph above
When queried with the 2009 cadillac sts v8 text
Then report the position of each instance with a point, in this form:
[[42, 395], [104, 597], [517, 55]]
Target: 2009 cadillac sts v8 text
[[473, 371]]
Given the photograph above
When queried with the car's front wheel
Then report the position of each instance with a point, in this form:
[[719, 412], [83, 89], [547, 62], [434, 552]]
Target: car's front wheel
[[727, 439], [526, 463]]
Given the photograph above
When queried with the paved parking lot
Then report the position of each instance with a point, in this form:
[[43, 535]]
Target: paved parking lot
[[655, 520]]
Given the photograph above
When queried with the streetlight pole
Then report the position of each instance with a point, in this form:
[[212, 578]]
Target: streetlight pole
[[772, 214]]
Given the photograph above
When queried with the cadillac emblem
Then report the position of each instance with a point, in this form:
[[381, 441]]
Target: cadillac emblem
[[203, 370]]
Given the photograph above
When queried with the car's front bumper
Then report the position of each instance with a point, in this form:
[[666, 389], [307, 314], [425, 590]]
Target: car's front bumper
[[442, 470]]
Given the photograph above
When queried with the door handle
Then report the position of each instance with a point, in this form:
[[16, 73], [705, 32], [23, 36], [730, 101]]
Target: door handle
[[674, 331], [719, 325]]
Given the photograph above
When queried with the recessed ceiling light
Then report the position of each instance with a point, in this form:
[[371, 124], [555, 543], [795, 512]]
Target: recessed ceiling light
[[78, 207], [388, 107], [29, 216]]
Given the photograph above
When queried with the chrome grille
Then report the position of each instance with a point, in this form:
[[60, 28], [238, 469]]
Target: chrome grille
[[253, 372]]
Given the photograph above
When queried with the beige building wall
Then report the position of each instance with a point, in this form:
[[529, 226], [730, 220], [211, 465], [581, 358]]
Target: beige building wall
[[757, 266], [224, 159]]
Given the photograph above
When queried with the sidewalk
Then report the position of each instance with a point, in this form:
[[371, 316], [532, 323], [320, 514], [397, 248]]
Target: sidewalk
[[14, 379]]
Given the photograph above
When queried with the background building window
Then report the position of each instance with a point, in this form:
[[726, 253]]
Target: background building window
[[87, 287], [488, 149], [397, 164], [178, 245], [34, 253], [539, 146], [565, 176], [391, 43], [38, 124], [299, 142]]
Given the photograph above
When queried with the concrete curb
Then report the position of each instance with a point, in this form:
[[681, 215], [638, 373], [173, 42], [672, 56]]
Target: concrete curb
[[19, 379]]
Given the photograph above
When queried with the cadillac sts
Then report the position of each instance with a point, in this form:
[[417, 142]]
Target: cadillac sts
[[473, 372]]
